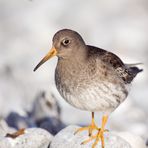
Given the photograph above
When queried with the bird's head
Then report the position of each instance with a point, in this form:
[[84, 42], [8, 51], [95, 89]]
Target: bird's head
[[66, 43]]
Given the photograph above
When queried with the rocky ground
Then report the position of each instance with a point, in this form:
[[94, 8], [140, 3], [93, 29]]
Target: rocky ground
[[40, 138], [42, 127]]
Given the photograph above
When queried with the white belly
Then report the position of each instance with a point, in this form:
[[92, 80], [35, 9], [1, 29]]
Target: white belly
[[96, 98]]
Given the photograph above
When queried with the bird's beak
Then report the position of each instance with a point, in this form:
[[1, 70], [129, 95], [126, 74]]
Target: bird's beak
[[50, 54]]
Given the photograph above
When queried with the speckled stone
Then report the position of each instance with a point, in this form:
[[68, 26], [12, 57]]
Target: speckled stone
[[33, 138], [67, 139]]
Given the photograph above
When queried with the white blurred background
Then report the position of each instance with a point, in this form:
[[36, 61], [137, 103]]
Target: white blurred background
[[26, 31]]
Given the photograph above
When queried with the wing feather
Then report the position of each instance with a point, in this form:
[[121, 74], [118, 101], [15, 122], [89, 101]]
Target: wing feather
[[125, 71]]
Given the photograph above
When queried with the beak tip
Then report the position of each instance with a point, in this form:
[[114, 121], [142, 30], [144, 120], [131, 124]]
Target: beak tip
[[34, 69], [48, 56]]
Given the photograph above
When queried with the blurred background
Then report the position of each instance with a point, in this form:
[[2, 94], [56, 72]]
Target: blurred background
[[26, 31]]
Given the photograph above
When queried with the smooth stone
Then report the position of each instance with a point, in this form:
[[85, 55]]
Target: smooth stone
[[4, 143], [66, 138], [33, 138], [134, 140]]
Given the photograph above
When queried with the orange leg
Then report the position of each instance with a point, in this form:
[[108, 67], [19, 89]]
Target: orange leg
[[99, 135], [90, 128]]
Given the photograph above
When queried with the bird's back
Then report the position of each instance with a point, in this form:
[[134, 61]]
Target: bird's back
[[126, 72]]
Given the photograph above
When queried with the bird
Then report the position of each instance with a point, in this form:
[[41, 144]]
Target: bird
[[89, 78]]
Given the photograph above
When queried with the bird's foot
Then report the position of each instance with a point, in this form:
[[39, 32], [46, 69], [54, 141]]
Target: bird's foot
[[97, 137], [16, 134], [90, 129]]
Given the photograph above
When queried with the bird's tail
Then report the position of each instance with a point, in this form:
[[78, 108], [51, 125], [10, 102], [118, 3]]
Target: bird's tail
[[133, 69], [134, 64]]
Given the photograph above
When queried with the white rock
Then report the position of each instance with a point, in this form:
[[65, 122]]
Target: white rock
[[134, 140], [33, 138], [4, 143], [67, 139]]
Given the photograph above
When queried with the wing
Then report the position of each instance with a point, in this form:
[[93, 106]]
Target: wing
[[125, 71]]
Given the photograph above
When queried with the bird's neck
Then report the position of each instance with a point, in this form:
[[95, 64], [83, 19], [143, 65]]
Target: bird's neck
[[77, 56], [72, 65]]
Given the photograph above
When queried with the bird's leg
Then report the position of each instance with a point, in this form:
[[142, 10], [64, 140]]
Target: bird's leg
[[93, 126], [90, 128], [99, 135]]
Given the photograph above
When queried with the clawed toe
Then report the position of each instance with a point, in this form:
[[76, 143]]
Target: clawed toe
[[99, 136]]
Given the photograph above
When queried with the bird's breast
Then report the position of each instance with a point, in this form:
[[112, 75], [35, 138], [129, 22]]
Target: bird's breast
[[89, 92]]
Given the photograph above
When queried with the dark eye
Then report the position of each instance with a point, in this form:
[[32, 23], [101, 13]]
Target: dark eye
[[65, 42]]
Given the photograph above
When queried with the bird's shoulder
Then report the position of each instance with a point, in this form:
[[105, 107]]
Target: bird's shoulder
[[110, 59], [105, 56]]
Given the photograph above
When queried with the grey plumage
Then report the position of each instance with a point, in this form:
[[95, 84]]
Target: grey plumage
[[88, 77]]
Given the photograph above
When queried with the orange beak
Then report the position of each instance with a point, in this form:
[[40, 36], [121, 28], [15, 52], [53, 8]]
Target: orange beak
[[50, 54]]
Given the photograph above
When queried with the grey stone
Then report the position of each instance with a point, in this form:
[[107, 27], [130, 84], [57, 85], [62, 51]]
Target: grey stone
[[18, 121], [67, 139], [46, 113], [52, 125], [45, 105], [33, 138]]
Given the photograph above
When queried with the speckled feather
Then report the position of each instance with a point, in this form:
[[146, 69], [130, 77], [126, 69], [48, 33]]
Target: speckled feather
[[90, 78], [125, 72], [91, 86]]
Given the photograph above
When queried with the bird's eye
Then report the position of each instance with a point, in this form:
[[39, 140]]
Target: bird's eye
[[65, 42]]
